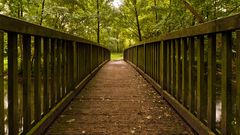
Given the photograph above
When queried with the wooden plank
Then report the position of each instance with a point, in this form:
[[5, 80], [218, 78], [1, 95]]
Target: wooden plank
[[46, 75], [145, 58], [1, 84], [158, 62], [168, 67], [211, 110], [184, 94], [13, 118], [164, 64], [200, 78], [69, 62], [53, 72], [75, 63], [64, 73], [238, 82], [58, 72], [173, 73], [37, 79], [191, 95], [178, 69], [226, 91], [26, 82]]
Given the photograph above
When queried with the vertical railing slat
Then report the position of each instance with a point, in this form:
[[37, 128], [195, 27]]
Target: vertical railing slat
[[200, 76], [13, 118], [53, 72], [26, 82], [164, 64], [168, 67], [226, 92], [178, 69], [238, 82], [58, 72], [37, 79], [46, 76], [184, 71], [172, 67], [190, 75], [1, 83], [211, 117]]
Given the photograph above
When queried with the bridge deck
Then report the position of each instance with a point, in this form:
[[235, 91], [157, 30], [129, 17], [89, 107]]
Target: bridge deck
[[119, 101]]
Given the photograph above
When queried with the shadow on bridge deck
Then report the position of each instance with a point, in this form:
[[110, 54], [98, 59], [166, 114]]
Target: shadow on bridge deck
[[119, 101]]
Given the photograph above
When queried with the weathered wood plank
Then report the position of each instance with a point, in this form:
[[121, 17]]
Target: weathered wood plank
[[164, 64], [58, 72], [191, 100], [178, 69], [53, 72], [1, 84], [211, 110], [75, 63], [13, 119], [46, 75], [238, 82], [226, 88], [64, 69], [172, 67], [37, 79], [168, 67], [200, 75], [26, 82], [184, 95]]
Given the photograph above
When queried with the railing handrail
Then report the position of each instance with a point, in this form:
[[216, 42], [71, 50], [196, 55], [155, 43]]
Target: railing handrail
[[23, 27], [215, 26]]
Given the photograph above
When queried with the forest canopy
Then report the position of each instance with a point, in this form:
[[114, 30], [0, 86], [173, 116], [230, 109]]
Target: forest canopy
[[117, 24]]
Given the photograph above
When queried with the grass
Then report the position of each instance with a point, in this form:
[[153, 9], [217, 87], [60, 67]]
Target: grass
[[116, 56]]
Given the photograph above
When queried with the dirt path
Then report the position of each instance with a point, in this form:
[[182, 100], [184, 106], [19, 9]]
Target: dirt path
[[118, 101]]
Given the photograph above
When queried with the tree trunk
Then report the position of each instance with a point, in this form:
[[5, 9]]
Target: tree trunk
[[137, 20], [42, 12], [193, 11], [98, 23]]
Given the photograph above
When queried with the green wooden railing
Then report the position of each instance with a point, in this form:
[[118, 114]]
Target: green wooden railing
[[197, 70], [44, 70]]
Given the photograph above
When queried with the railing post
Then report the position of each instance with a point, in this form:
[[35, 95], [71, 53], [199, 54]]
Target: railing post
[[184, 94], [211, 113], [26, 82], [59, 73], [238, 83], [53, 70], [164, 64], [46, 75], [200, 77], [13, 118], [144, 57], [37, 85], [1, 84], [226, 92], [91, 56], [74, 63], [191, 76], [178, 69]]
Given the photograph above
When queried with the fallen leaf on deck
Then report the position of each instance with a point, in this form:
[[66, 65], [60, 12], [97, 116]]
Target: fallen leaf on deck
[[71, 120]]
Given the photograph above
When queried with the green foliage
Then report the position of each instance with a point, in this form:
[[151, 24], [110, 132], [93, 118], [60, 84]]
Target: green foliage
[[116, 56], [118, 26]]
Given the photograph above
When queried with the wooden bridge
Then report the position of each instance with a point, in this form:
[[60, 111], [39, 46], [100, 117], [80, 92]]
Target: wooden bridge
[[51, 83]]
